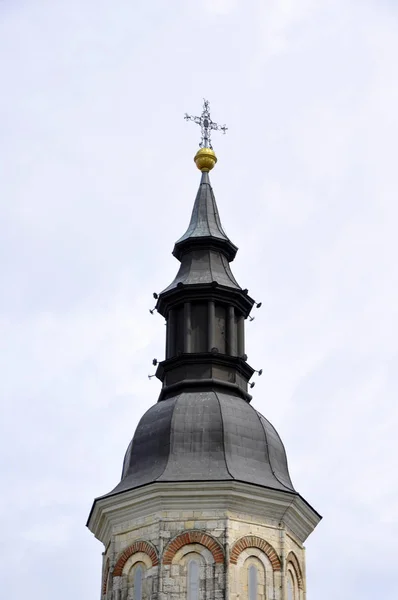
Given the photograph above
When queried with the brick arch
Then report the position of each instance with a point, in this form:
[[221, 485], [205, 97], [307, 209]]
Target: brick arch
[[293, 560], [253, 541], [193, 537], [139, 546], [105, 578]]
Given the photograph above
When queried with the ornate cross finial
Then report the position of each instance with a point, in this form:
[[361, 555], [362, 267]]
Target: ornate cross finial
[[206, 125]]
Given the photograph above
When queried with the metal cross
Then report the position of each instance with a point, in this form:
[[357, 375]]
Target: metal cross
[[206, 125]]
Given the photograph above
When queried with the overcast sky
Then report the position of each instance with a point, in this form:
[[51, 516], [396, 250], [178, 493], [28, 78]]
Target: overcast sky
[[97, 182]]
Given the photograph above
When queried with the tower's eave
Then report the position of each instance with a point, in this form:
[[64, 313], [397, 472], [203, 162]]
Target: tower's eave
[[283, 506], [207, 291]]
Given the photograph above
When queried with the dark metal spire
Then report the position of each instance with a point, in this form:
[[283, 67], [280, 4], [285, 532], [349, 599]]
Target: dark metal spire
[[205, 252], [205, 225], [206, 125]]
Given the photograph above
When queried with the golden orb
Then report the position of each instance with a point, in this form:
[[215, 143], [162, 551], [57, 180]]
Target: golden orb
[[205, 159]]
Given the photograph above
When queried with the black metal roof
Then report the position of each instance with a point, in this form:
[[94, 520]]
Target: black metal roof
[[205, 225], [207, 430], [204, 266], [205, 436], [205, 252]]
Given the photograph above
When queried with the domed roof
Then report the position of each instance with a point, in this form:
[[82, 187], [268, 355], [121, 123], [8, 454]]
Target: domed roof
[[205, 436]]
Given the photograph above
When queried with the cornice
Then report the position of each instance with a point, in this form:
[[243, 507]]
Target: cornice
[[192, 361], [265, 504], [206, 242], [204, 292], [209, 383]]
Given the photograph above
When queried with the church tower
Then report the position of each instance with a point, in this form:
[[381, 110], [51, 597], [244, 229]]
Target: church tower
[[205, 509]]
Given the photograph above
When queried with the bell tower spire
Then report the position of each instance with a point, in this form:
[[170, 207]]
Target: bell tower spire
[[205, 307], [205, 508]]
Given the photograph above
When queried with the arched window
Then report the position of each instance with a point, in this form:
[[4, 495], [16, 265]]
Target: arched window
[[291, 595], [138, 577], [193, 579], [252, 582]]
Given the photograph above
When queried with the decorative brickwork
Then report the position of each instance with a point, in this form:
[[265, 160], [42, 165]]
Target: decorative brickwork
[[140, 546], [253, 541], [105, 579], [193, 537], [293, 560]]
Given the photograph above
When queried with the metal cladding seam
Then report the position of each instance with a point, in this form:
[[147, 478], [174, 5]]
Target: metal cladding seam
[[205, 436]]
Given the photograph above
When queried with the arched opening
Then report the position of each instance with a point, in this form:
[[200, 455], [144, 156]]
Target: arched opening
[[138, 581], [190, 564], [252, 582], [291, 587], [252, 579], [193, 583]]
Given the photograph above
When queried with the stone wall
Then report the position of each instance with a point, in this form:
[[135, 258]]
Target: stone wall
[[215, 550]]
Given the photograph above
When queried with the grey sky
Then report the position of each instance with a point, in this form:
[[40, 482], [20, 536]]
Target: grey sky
[[97, 182]]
